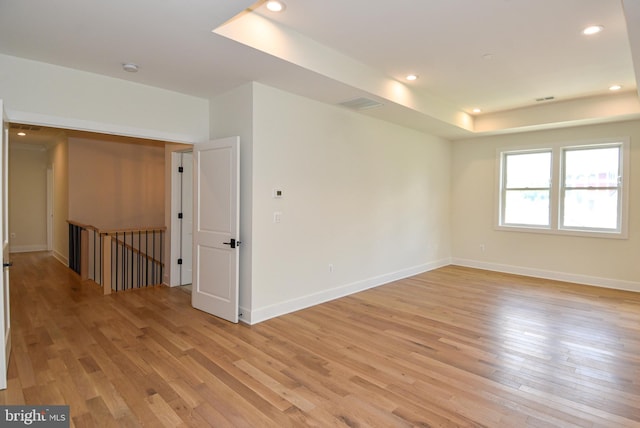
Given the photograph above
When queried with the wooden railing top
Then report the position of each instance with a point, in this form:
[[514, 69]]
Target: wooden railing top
[[113, 231]]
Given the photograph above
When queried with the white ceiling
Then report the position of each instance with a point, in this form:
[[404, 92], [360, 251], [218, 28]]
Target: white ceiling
[[335, 50]]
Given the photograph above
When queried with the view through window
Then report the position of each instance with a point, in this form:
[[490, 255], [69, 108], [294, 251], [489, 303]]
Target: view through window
[[578, 188]]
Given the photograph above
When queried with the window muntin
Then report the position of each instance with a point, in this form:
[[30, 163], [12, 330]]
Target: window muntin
[[585, 192]]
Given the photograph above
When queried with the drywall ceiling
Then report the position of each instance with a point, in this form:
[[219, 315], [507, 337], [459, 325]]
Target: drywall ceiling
[[496, 55]]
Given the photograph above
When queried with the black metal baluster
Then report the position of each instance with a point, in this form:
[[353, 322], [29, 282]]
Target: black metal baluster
[[94, 255], [70, 245], [73, 248], [132, 247], [100, 252], [117, 261], [114, 259], [100, 256], [161, 263], [124, 262], [125, 272], [146, 258], [153, 264], [139, 253]]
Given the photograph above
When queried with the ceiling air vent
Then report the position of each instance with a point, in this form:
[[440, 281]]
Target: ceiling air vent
[[24, 127], [361, 103]]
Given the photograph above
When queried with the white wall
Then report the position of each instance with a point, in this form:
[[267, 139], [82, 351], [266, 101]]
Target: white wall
[[116, 184], [232, 115], [45, 94], [27, 197], [59, 161], [597, 261], [369, 197]]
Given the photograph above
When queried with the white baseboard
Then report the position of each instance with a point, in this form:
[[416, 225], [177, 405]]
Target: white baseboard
[[617, 284], [61, 258], [289, 306], [286, 307], [27, 248]]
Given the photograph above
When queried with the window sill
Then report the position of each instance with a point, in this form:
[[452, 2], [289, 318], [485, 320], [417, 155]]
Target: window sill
[[563, 232]]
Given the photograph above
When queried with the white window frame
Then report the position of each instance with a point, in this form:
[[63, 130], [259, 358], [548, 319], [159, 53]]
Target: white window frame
[[556, 188], [503, 189]]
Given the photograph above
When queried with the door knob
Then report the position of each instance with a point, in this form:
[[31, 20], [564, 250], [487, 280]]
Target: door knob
[[233, 243]]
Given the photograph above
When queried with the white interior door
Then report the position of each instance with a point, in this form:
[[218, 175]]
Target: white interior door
[[186, 232], [216, 180], [5, 343]]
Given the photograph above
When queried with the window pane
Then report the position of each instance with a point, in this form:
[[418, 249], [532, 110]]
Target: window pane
[[527, 207], [591, 209], [592, 167], [531, 170]]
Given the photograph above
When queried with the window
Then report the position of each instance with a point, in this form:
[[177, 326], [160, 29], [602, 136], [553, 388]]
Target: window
[[527, 188], [577, 189], [591, 188]]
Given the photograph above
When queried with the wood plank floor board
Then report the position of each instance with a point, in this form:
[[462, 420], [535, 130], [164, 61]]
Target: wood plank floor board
[[100, 414], [131, 391], [505, 396], [277, 394], [253, 403], [233, 407], [212, 416], [325, 388], [189, 417], [454, 347]]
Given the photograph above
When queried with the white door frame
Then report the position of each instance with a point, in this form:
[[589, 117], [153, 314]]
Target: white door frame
[[174, 249], [5, 307]]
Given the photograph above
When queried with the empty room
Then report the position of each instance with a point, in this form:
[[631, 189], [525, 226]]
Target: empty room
[[320, 213]]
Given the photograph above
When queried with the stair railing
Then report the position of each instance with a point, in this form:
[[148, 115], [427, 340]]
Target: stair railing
[[117, 259]]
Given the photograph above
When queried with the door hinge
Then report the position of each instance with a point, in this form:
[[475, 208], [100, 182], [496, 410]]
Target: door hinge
[[179, 215], [179, 261], [180, 169]]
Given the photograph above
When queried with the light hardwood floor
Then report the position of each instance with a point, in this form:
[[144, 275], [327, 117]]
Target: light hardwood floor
[[451, 347]]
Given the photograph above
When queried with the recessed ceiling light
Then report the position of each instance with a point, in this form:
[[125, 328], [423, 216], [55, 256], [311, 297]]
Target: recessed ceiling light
[[615, 88], [22, 134], [594, 29], [412, 77], [129, 67], [477, 110], [275, 6]]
